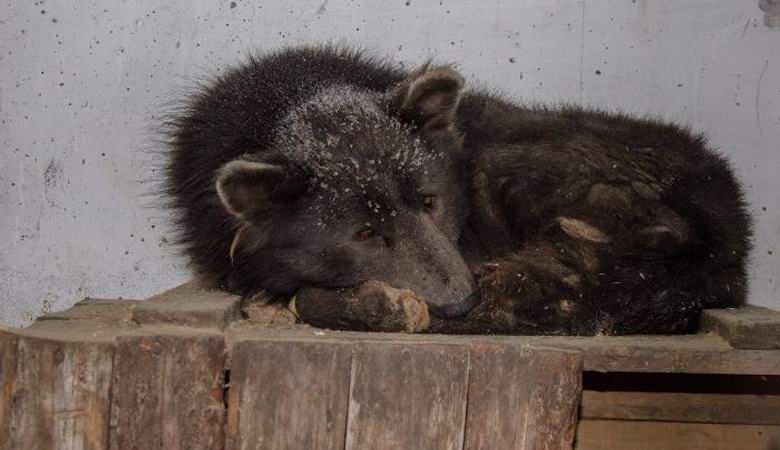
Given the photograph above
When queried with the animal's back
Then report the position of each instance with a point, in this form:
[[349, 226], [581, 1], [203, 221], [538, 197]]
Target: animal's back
[[670, 206]]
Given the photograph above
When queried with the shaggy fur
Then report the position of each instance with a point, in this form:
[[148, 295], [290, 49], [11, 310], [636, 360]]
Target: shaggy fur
[[587, 222], [323, 168]]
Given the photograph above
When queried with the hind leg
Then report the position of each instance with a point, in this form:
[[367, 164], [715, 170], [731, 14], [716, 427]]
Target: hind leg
[[577, 279]]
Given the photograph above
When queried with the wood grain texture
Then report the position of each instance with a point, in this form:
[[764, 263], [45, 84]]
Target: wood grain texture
[[61, 396], [189, 305], [699, 353], [167, 393], [407, 397], [630, 435], [288, 395], [522, 398], [97, 309], [8, 378], [554, 400], [682, 407], [749, 327]]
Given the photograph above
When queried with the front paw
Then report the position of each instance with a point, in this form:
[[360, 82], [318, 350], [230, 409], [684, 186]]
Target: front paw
[[534, 295], [391, 309], [372, 306]]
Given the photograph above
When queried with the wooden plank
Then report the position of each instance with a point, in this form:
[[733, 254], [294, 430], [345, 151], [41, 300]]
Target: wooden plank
[[630, 435], [167, 392], [97, 309], [700, 353], [522, 398], [8, 377], [286, 395], [61, 397], [682, 407], [190, 305], [407, 397], [749, 327]]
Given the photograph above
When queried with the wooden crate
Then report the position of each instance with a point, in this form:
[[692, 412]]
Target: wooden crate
[[185, 370]]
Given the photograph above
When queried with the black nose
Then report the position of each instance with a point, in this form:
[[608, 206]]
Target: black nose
[[451, 310]]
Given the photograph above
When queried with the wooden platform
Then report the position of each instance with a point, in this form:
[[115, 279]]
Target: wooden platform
[[189, 369]]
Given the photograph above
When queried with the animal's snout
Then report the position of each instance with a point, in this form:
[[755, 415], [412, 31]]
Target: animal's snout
[[455, 309]]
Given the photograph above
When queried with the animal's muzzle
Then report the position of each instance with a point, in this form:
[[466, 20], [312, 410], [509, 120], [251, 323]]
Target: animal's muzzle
[[459, 308]]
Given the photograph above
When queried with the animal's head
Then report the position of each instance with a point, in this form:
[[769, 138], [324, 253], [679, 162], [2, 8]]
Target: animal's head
[[359, 186]]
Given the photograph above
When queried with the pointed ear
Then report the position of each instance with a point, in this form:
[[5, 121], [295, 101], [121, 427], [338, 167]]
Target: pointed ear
[[249, 189], [429, 97]]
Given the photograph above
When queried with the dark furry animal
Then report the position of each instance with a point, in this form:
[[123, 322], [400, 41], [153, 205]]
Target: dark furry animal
[[318, 170], [320, 167]]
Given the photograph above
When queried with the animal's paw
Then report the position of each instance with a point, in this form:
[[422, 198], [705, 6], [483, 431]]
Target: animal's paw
[[391, 309], [536, 291]]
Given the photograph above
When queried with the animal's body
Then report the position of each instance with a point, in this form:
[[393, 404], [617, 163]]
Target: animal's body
[[319, 169]]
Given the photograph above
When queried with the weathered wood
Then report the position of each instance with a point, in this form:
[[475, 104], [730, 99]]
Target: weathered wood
[[698, 353], [630, 435], [100, 310], [287, 395], [407, 397], [675, 356], [682, 407], [167, 392], [8, 377], [61, 395], [189, 305], [522, 398], [749, 327], [297, 387]]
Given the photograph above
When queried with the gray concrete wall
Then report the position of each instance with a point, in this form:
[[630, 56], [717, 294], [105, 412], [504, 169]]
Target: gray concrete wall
[[82, 83]]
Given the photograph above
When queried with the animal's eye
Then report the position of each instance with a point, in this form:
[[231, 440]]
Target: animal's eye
[[365, 233], [429, 201]]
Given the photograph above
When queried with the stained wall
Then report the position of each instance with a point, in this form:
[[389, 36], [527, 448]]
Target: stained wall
[[83, 83]]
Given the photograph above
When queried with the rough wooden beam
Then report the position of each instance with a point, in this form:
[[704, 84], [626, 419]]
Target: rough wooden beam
[[61, 395], [400, 395], [189, 305], [407, 396], [698, 353], [286, 395], [749, 327], [522, 398], [100, 310], [167, 392], [626, 434], [682, 407], [8, 380]]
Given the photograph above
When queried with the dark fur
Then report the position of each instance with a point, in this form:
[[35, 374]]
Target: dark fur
[[673, 213], [573, 221], [354, 142]]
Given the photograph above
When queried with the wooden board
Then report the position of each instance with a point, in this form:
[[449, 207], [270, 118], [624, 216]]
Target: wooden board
[[522, 398], [61, 395], [749, 327], [167, 392], [287, 395], [97, 309], [699, 353], [298, 387], [406, 396], [682, 407], [189, 305], [630, 435], [8, 377], [390, 395]]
